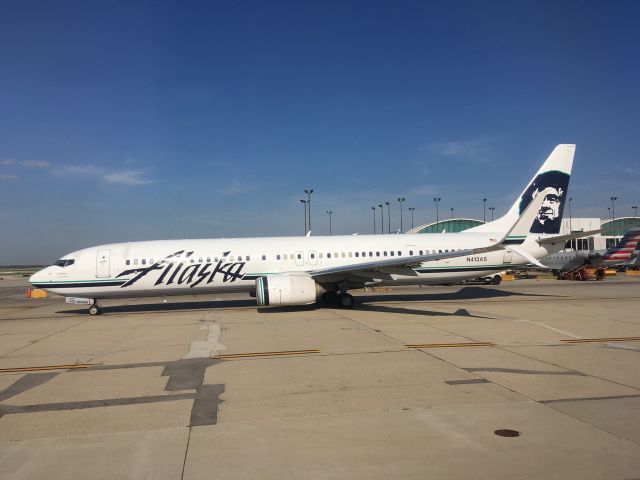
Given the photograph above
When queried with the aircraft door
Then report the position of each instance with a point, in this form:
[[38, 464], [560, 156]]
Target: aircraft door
[[508, 256], [312, 259], [299, 258], [103, 268]]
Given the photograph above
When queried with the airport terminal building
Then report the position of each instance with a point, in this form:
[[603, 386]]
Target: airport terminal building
[[611, 230]]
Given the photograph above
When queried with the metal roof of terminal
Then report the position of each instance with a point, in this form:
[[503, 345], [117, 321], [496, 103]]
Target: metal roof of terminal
[[450, 225]]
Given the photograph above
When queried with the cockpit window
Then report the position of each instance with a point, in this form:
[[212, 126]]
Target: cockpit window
[[65, 262]]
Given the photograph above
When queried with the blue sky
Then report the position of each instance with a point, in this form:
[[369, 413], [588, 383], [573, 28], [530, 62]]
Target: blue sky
[[143, 120]]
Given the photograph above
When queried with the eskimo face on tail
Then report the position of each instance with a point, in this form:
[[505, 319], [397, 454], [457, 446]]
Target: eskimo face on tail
[[549, 215]]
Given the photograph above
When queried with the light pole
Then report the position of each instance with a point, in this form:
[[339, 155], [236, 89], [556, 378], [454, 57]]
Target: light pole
[[309, 192], [613, 208], [401, 201], [412, 209], [436, 200], [381, 218], [451, 212], [329, 212], [374, 219], [388, 217], [635, 211], [613, 218], [570, 221], [304, 202], [609, 208], [484, 210], [492, 209]]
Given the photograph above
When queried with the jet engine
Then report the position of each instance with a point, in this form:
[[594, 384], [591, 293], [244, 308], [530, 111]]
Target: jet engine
[[278, 290]]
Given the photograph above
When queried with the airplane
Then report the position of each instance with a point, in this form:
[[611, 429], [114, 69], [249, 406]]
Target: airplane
[[625, 252], [282, 271]]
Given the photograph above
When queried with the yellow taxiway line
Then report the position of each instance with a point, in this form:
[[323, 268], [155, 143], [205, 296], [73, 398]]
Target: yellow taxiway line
[[46, 367], [601, 340], [452, 345], [265, 354]]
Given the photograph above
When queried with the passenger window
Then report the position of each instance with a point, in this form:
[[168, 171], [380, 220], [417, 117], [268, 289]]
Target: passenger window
[[312, 255], [247, 258], [144, 261], [277, 257], [357, 254], [377, 254], [410, 252], [371, 254], [439, 251], [128, 262], [208, 259], [135, 261], [399, 253], [193, 260], [151, 261], [240, 258], [364, 254], [350, 254], [328, 255], [420, 252], [320, 255], [343, 255], [216, 259], [264, 257], [391, 252], [299, 256]]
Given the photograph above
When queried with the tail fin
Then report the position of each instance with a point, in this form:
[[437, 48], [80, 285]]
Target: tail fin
[[624, 250], [521, 228], [554, 173]]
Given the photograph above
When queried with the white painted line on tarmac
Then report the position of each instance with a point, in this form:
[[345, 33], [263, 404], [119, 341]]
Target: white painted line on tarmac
[[549, 327]]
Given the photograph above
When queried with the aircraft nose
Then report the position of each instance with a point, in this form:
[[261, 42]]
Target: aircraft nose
[[39, 276]]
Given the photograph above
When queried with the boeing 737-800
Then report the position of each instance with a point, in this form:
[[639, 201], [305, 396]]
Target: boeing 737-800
[[300, 270]]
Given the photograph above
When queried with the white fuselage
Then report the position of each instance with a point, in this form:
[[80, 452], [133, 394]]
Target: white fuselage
[[178, 267]]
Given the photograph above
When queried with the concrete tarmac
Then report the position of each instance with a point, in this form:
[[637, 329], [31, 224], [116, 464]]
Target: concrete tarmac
[[411, 383]]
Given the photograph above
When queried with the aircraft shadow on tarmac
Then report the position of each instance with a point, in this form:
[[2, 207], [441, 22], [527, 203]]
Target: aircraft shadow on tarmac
[[368, 302]]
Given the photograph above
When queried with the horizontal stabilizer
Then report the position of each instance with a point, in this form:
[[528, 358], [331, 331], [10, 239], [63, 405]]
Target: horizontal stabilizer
[[526, 255], [565, 238]]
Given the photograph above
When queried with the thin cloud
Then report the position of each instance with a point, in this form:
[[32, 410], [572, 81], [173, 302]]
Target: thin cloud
[[237, 187], [123, 177], [423, 190], [474, 149], [127, 177], [7, 162], [7, 177], [35, 164], [84, 170]]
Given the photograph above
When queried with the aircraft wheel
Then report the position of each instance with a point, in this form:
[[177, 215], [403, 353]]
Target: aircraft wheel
[[330, 296], [496, 280], [94, 310], [346, 301]]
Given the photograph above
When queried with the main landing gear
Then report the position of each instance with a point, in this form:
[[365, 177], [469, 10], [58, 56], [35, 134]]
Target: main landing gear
[[339, 299], [95, 309]]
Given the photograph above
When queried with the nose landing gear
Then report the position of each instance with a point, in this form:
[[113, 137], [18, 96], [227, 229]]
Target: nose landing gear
[[95, 309]]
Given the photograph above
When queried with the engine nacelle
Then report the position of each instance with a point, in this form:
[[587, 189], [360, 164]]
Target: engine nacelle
[[277, 290]]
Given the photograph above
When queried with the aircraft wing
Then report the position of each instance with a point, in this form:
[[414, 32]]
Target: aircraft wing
[[385, 268]]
